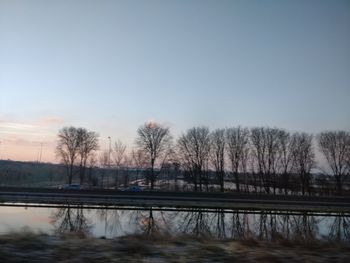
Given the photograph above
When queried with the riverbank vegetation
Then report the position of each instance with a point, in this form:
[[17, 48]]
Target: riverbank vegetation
[[34, 247]]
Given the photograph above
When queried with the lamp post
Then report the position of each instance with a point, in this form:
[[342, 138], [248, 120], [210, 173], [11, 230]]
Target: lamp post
[[109, 160]]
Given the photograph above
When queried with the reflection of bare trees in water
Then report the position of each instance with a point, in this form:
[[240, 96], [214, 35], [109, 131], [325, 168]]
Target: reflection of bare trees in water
[[240, 226], [266, 225], [145, 221], [221, 224], [111, 219], [195, 222], [152, 222], [272, 226], [149, 225], [340, 228], [267, 229], [285, 223], [217, 224], [304, 227], [70, 220]]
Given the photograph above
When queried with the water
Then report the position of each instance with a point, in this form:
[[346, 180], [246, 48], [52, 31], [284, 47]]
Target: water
[[219, 224]]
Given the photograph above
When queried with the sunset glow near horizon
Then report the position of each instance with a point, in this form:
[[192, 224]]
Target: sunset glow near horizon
[[110, 66]]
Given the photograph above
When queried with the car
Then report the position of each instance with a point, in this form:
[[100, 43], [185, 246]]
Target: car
[[70, 187], [133, 189]]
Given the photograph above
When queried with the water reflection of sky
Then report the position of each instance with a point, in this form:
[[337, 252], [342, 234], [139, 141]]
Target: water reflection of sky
[[218, 224], [16, 218]]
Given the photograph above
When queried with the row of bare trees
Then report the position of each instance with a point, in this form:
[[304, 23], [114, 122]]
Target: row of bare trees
[[273, 156], [261, 158], [276, 153], [266, 153]]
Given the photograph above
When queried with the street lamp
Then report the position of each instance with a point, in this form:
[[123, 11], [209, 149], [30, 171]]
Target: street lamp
[[109, 160]]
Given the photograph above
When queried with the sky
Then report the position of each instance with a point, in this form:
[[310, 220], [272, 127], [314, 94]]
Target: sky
[[110, 66]]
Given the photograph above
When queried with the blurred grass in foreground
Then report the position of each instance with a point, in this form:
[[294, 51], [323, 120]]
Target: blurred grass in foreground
[[27, 246]]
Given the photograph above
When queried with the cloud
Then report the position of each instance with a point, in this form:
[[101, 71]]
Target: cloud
[[28, 132], [17, 126], [16, 140], [12, 128], [152, 122], [51, 120], [21, 140], [6, 117]]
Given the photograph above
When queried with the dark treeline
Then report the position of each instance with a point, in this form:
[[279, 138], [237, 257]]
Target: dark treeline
[[260, 159], [32, 174]]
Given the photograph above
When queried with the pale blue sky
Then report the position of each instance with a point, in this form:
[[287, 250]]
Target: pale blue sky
[[112, 65]]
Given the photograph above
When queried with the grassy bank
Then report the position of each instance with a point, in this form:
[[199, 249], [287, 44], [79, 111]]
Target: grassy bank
[[31, 247]]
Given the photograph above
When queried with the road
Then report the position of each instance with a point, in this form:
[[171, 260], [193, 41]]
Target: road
[[175, 199]]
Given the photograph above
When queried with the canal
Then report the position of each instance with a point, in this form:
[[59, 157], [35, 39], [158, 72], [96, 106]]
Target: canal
[[110, 222]]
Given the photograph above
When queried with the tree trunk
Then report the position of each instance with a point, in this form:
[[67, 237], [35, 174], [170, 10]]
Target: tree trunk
[[222, 182], [195, 181], [152, 174], [339, 186], [237, 181], [70, 176]]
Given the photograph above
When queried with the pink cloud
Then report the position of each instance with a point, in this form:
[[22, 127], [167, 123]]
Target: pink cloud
[[5, 118], [51, 120], [16, 140]]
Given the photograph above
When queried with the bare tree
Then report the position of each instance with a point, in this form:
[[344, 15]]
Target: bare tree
[[88, 144], [67, 149], [246, 158], [237, 149], [155, 141], [285, 164], [335, 147], [75, 144], [272, 155], [304, 159], [193, 151], [217, 156], [92, 167], [139, 161], [258, 152], [119, 155], [104, 163], [265, 151]]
